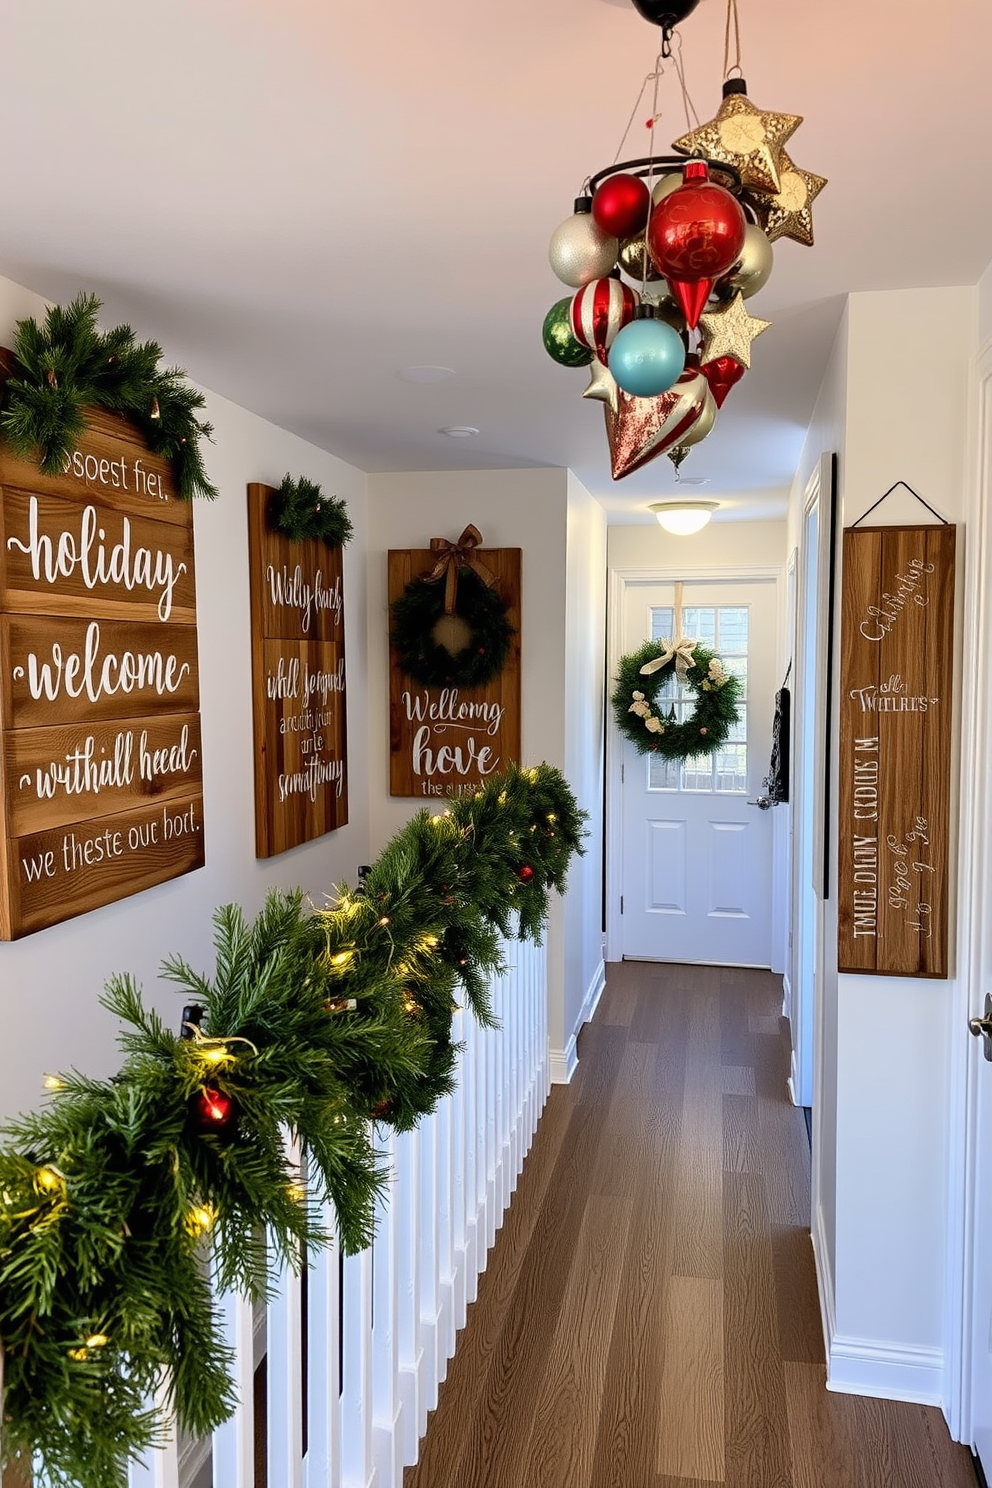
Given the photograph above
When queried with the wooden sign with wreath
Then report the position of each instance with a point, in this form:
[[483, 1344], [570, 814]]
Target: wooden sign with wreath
[[295, 538], [454, 665]]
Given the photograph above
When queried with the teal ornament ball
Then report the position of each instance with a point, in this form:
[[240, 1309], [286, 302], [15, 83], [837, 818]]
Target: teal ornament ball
[[647, 357], [559, 342]]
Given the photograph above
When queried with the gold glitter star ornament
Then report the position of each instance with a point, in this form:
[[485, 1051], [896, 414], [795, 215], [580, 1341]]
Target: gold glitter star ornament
[[788, 213], [748, 138], [729, 331]]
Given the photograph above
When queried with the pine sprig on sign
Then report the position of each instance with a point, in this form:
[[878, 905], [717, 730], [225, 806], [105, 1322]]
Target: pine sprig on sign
[[316, 1025], [300, 510], [69, 364]]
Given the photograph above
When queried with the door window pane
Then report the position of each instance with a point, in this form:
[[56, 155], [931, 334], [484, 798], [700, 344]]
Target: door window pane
[[723, 629]]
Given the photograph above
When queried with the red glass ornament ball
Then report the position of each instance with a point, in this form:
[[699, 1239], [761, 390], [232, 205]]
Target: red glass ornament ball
[[697, 231], [526, 873], [214, 1109], [621, 205]]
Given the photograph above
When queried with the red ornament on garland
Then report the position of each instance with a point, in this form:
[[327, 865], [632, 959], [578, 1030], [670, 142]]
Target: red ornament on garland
[[695, 236], [526, 873], [214, 1109], [621, 205], [721, 374]]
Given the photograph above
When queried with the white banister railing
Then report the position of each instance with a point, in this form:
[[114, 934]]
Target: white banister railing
[[353, 1354]]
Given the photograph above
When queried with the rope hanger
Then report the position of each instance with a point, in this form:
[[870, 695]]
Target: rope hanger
[[913, 493]]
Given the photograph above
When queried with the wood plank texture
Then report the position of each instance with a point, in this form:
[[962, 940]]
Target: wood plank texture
[[298, 683], [100, 762], [444, 741], [897, 653], [648, 1318]]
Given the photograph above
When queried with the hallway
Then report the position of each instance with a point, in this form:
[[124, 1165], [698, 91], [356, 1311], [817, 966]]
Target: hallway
[[648, 1318]]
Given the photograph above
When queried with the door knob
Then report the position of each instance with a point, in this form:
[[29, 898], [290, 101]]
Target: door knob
[[763, 803], [982, 1028]]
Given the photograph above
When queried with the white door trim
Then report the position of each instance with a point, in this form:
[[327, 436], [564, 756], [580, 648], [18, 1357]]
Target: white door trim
[[966, 989], [620, 580]]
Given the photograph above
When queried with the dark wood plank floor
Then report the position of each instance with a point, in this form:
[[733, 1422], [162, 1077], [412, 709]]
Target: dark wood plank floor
[[648, 1318]]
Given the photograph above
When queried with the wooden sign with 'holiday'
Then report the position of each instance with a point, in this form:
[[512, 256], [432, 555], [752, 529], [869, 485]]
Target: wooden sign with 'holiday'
[[897, 627], [100, 765], [298, 683], [448, 738]]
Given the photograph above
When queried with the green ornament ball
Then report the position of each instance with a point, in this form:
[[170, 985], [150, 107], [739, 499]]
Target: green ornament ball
[[559, 342]]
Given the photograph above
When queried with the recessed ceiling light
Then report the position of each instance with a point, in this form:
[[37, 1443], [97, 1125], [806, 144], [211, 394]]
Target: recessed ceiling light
[[459, 431], [425, 374]]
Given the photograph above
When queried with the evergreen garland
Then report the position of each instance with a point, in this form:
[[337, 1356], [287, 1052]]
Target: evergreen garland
[[421, 606], [301, 510], [635, 702], [68, 364], [316, 1021]]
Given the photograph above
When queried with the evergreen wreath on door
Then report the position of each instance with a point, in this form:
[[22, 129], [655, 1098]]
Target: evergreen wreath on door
[[641, 677]]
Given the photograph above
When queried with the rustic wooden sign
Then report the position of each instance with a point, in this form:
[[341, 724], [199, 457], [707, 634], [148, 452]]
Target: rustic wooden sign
[[297, 649], [897, 620], [100, 761], [444, 741]]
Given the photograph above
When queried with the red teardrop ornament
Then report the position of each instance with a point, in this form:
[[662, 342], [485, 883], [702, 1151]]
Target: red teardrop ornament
[[721, 374], [695, 235]]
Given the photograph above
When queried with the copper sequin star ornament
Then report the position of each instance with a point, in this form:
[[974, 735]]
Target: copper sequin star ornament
[[788, 213], [729, 331], [748, 138]]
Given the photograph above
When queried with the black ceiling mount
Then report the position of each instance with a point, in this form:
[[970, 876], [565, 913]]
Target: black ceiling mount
[[665, 13]]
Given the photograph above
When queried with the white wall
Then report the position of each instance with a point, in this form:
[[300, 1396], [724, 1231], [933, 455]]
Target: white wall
[[559, 527], [827, 434], [886, 1088], [585, 704], [50, 982], [718, 545]]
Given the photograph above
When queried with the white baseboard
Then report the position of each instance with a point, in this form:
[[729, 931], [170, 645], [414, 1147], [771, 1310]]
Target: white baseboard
[[564, 1062], [861, 1366], [824, 1279], [866, 1366], [786, 996]]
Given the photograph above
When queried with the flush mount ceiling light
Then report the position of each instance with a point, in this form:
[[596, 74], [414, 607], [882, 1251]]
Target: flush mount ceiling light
[[459, 431], [683, 517], [662, 252]]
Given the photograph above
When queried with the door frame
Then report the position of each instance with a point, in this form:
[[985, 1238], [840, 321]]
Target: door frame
[[620, 582], [809, 805], [975, 797]]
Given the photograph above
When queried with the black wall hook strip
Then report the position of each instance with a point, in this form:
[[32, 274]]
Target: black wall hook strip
[[919, 498]]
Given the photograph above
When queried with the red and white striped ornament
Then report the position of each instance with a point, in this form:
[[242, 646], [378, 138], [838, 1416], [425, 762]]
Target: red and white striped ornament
[[599, 310]]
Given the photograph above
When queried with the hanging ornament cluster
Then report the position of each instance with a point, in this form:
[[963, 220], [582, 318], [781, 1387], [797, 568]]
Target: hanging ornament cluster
[[663, 251]]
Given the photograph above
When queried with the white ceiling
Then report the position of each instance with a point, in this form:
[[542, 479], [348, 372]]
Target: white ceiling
[[300, 198]]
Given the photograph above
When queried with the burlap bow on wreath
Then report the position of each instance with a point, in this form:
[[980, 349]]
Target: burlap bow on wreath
[[458, 597], [451, 556]]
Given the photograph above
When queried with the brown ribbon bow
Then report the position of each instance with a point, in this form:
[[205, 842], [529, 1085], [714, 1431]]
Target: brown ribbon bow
[[451, 556]]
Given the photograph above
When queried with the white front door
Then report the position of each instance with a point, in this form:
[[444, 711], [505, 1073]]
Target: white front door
[[697, 858]]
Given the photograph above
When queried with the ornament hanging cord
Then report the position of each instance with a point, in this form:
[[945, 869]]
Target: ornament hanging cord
[[733, 23], [678, 648]]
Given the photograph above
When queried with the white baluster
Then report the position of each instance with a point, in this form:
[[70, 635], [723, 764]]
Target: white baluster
[[322, 1466], [234, 1441]]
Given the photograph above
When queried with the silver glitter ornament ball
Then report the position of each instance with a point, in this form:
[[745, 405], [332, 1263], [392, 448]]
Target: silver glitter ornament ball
[[580, 251]]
